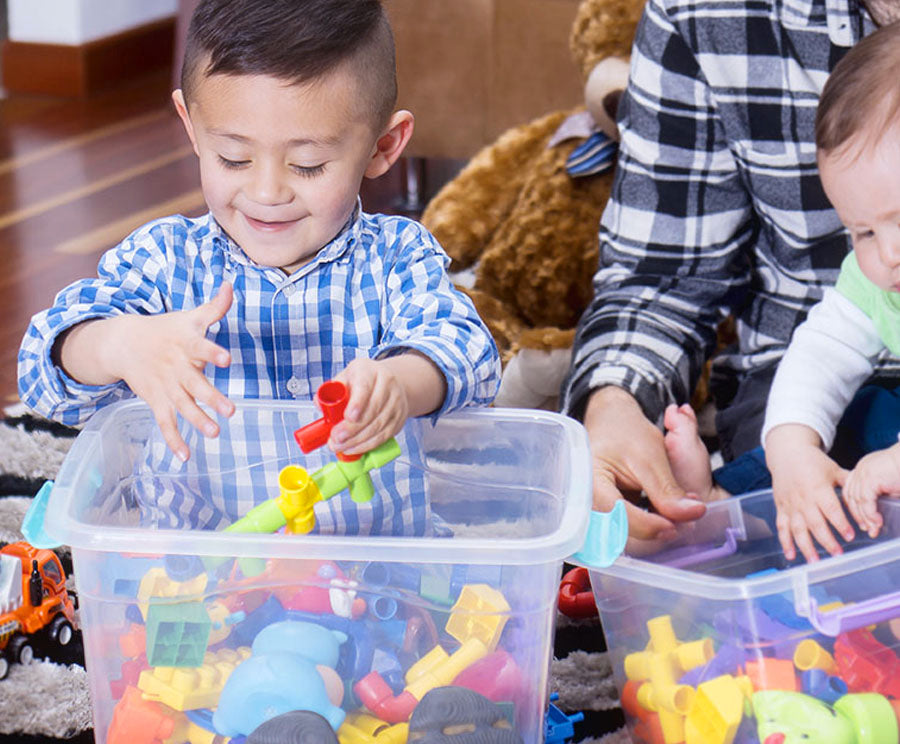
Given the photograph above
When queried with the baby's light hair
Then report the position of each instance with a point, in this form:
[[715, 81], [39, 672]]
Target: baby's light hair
[[862, 94]]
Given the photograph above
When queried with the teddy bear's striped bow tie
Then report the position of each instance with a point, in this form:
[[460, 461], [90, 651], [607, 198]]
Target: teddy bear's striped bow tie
[[594, 156]]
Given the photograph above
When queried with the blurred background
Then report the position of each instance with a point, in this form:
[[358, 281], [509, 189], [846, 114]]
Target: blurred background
[[91, 148]]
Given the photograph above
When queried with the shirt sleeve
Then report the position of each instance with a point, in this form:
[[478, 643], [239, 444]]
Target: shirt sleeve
[[131, 278], [830, 356], [425, 312], [674, 238]]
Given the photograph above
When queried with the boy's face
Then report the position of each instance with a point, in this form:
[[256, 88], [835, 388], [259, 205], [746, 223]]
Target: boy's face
[[280, 164], [862, 181]]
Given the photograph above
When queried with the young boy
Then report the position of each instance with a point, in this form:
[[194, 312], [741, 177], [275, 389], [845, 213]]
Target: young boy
[[832, 353], [286, 283]]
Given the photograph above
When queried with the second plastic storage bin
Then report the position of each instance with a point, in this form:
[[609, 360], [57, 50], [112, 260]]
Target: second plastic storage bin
[[193, 634], [717, 638]]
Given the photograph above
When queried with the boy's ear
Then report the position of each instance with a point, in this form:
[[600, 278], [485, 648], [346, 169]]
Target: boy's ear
[[390, 143], [181, 109]]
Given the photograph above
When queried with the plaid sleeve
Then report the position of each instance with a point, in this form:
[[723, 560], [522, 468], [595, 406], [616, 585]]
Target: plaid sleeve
[[673, 235], [131, 279], [425, 312]]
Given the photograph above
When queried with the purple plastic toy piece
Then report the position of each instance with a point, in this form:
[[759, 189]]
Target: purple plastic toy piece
[[853, 616], [693, 554], [726, 661]]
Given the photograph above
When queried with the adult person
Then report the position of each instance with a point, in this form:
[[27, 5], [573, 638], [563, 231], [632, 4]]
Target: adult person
[[716, 209]]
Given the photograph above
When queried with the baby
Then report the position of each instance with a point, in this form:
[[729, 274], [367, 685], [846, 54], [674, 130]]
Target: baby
[[286, 282]]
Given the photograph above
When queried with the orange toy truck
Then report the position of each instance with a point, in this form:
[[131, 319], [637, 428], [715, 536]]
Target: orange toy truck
[[33, 600]]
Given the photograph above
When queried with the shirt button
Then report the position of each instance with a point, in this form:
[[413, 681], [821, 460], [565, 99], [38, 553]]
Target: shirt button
[[294, 386]]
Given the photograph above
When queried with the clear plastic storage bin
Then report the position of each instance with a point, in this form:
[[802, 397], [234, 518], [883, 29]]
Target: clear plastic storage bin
[[198, 635], [717, 638]]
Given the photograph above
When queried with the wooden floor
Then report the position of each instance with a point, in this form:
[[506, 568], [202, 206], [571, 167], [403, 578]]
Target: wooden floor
[[76, 176]]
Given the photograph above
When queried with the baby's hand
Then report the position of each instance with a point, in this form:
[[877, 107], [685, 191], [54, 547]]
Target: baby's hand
[[377, 410], [803, 485], [876, 474], [161, 358]]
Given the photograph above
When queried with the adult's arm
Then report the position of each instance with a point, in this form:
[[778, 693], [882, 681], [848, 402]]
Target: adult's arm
[[675, 243]]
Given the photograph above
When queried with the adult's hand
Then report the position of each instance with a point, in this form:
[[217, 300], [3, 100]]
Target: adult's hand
[[628, 454]]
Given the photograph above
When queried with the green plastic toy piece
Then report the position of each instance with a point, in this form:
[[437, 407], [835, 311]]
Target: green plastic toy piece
[[800, 719], [177, 634], [871, 715]]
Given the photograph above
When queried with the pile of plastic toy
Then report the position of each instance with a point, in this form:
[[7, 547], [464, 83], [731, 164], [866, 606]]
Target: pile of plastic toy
[[358, 652], [772, 679]]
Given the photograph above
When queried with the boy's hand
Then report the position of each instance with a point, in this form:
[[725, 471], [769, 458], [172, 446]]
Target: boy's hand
[[377, 410], [161, 358], [874, 475], [803, 485]]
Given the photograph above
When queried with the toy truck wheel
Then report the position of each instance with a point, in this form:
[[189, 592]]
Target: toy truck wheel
[[61, 631], [20, 650], [4, 667]]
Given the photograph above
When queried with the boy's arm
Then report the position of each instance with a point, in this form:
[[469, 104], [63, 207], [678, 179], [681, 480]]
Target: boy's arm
[[425, 313]]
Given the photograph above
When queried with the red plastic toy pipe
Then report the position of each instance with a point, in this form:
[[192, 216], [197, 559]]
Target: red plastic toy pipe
[[332, 398], [576, 599]]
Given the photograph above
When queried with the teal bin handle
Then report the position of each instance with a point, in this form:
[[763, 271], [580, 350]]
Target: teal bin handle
[[33, 523], [606, 537]]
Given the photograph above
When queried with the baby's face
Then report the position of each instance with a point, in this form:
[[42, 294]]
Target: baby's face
[[280, 164], [862, 182]]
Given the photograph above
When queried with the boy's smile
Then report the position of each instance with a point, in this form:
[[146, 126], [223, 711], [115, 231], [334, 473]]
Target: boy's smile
[[280, 164]]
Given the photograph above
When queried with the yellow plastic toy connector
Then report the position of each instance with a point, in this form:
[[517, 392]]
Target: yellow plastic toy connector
[[716, 712], [190, 688], [364, 729], [659, 667], [466, 621], [810, 655], [437, 668]]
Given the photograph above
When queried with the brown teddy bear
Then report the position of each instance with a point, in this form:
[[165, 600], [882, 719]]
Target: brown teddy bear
[[526, 229]]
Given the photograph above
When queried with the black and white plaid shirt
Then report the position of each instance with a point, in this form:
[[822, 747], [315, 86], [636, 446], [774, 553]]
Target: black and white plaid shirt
[[717, 206]]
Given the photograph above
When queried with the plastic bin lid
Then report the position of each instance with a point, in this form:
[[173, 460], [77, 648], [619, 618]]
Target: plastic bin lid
[[732, 553]]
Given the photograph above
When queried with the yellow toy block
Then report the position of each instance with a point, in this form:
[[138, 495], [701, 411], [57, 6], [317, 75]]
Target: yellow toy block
[[716, 712], [157, 584], [364, 729], [466, 623], [190, 688]]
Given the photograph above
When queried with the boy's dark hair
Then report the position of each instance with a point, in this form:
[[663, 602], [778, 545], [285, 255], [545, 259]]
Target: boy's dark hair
[[862, 94], [294, 40]]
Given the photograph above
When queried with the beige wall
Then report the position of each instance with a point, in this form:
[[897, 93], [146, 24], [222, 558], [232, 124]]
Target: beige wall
[[470, 69]]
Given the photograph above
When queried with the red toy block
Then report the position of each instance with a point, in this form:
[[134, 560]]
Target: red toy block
[[767, 673], [131, 670], [136, 721], [497, 677], [866, 664]]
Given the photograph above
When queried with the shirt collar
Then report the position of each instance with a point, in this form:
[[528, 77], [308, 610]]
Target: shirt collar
[[841, 17], [343, 241]]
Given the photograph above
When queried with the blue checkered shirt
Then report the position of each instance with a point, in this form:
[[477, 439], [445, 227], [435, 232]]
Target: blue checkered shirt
[[379, 288], [716, 206]]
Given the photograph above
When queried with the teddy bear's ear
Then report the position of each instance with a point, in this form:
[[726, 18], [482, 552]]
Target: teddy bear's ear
[[602, 91]]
